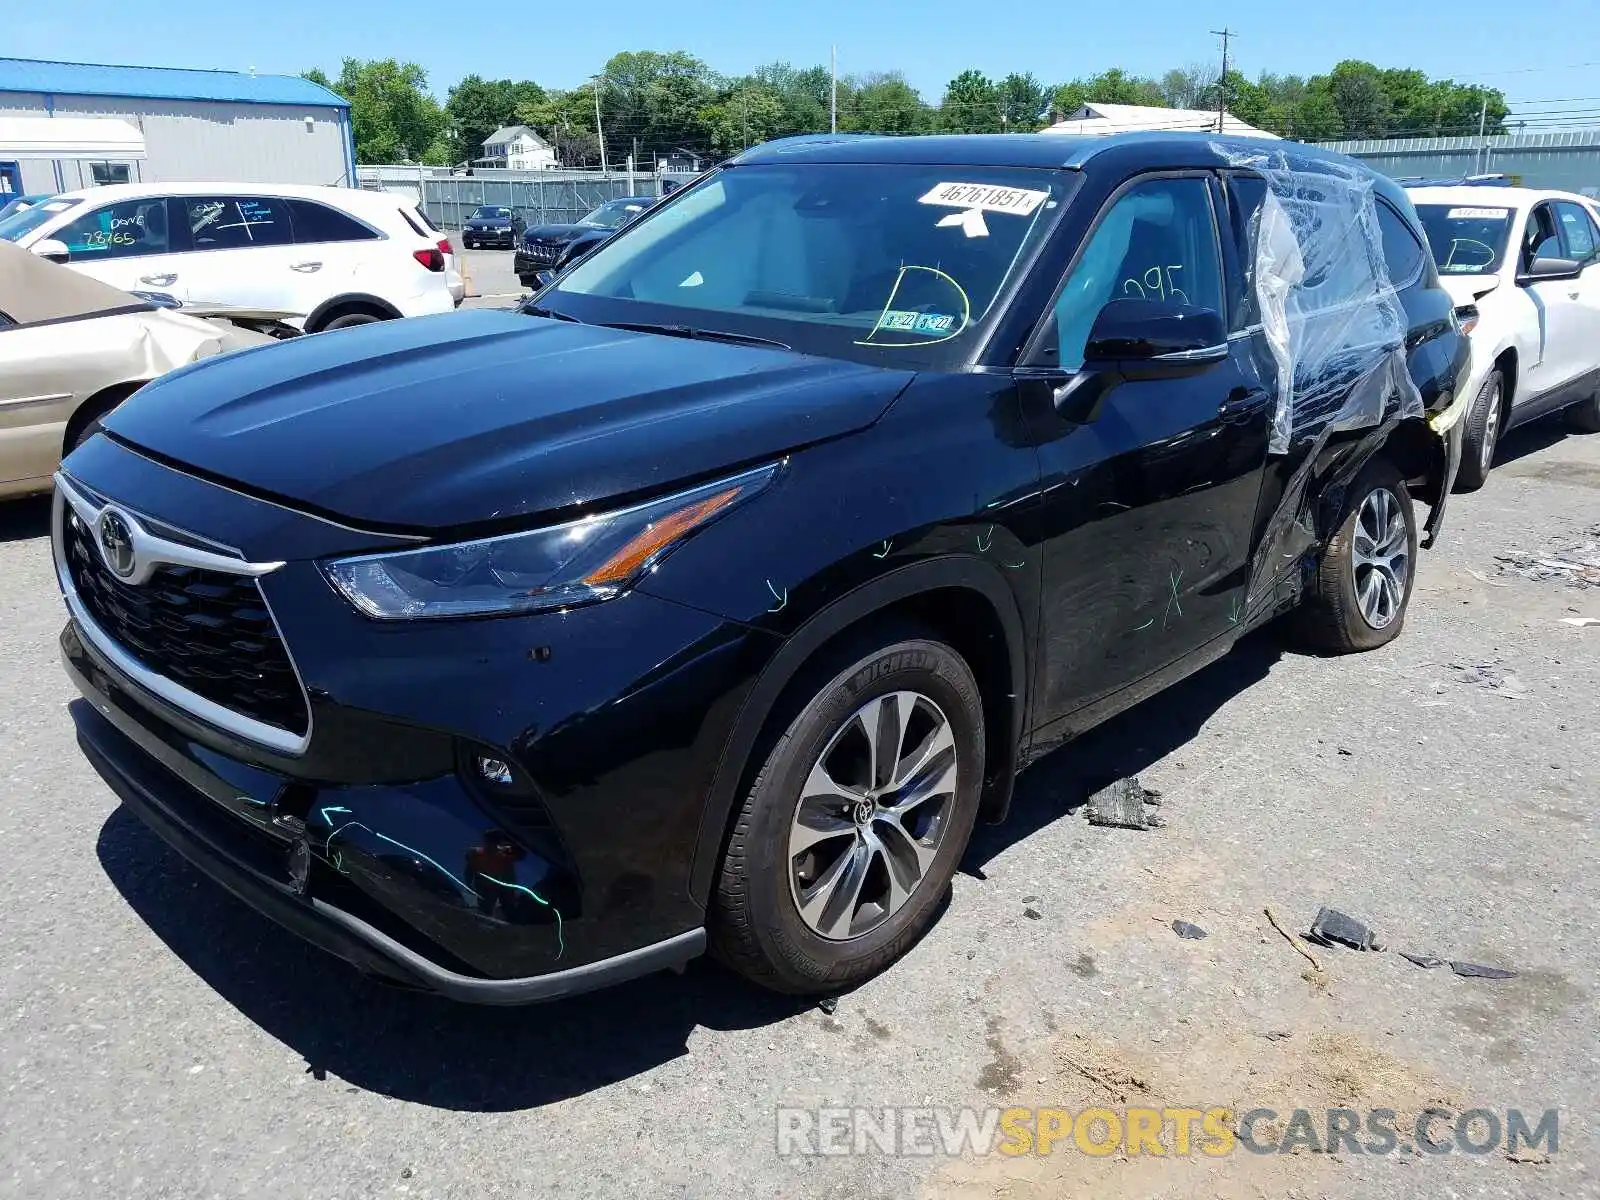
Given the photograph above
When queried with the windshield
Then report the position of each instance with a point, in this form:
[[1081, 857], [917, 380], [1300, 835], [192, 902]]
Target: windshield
[[1466, 239], [488, 210], [18, 224], [890, 264], [613, 214]]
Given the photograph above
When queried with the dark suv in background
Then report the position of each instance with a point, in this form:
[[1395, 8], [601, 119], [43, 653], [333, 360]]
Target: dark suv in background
[[714, 602], [546, 249], [491, 225]]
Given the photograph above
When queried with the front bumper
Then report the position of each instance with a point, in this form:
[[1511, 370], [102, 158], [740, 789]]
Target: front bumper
[[489, 237], [214, 843], [531, 263], [408, 860]]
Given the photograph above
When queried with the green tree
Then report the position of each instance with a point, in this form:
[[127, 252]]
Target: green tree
[[1021, 97], [1358, 93], [1315, 116], [565, 119], [392, 117], [476, 107], [882, 103], [657, 98], [745, 113], [971, 105]]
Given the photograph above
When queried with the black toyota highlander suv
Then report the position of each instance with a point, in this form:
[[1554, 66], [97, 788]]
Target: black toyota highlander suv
[[508, 668]]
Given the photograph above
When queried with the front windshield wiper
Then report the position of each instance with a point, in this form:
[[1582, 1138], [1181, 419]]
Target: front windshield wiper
[[539, 310], [705, 335]]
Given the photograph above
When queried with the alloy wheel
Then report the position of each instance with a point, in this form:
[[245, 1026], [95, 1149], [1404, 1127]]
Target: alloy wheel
[[1381, 555], [1491, 431], [872, 815]]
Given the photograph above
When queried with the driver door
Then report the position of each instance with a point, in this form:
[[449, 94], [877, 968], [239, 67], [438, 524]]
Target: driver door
[[1566, 340], [1150, 505]]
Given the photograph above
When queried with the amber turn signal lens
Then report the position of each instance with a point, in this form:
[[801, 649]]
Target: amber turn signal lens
[[639, 549]]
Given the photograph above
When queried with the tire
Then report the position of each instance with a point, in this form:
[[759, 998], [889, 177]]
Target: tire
[[1481, 434], [350, 320], [757, 924], [1333, 618], [1585, 417], [466, 245]]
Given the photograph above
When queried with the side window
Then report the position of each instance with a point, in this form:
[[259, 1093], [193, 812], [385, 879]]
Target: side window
[[237, 222], [1540, 239], [1246, 195], [1579, 230], [1402, 252], [315, 222], [125, 230], [1157, 241]]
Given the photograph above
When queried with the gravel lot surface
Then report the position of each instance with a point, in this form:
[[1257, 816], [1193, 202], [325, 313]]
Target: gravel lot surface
[[161, 1040]]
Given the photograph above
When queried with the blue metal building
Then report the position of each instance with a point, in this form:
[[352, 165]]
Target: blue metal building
[[197, 125]]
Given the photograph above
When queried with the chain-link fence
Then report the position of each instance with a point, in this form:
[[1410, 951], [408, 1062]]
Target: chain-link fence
[[540, 197], [539, 200]]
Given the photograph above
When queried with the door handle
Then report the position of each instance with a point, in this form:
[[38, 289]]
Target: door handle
[[158, 280], [305, 268]]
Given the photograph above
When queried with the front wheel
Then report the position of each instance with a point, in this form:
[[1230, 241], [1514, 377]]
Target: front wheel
[[1481, 434], [1363, 583], [849, 836]]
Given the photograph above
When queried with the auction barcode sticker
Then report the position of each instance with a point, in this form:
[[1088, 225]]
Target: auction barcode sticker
[[1019, 202], [1477, 214]]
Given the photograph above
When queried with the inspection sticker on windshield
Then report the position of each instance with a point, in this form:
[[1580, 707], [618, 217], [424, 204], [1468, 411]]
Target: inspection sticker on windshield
[[1477, 214], [985, 197], [904, 320]]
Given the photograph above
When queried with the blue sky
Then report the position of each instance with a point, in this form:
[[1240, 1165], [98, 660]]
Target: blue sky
[[1531, 60]]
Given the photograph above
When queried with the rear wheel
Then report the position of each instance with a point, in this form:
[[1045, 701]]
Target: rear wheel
[[849, 836], [1363, 583], [1481, 434], [1586, 416], [349, 320]]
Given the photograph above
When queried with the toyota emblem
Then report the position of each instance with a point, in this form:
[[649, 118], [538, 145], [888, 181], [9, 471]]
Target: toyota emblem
[[116, 543]]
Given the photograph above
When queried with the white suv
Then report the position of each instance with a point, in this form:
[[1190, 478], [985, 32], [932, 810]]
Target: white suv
[[1530, 261], [331, 256]]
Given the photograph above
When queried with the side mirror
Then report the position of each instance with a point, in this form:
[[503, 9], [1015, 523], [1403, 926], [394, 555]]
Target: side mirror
[[1141, 339], [1543, 269], [1146, 336], [49, 248]]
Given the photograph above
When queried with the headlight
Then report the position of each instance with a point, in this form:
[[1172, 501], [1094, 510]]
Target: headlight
[[578, 563]]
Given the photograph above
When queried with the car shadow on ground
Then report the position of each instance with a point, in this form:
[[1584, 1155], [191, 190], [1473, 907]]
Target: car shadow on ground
[[23, 520], [1531, 438], [1058, 784], [430, 1051]]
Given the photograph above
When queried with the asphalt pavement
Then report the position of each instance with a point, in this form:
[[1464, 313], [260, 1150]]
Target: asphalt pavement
[[161, 1040]]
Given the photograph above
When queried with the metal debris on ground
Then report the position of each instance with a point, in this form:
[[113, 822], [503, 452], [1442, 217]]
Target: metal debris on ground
[[1124, 804], [1577, 565], [1581, 622], [1428, 960], [1033, 914], [1332, 928], [1190, 933], [1293, 941], [829, 1004], [1478, 971], [1489, 675]]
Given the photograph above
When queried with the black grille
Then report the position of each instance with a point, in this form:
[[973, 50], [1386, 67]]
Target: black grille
[[207, 631], [540, 252]]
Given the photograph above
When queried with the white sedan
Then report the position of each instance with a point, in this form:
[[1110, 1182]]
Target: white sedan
[[1530, 262]]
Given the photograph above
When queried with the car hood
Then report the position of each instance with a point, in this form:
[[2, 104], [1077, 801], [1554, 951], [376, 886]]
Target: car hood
[[487, 223], [555, 234], [475, 417]]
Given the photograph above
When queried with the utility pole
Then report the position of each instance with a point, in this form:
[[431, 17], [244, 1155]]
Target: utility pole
[[833, 102], [1483, 145], [1226, 35], [599, 133]]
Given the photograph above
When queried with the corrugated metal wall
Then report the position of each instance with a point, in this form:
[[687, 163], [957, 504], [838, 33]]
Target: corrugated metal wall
[[200, 141], [1569, 161]]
